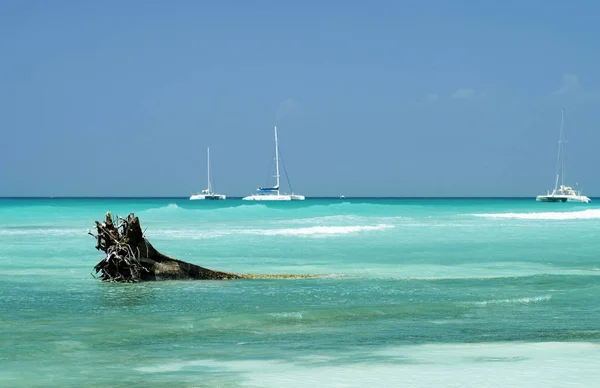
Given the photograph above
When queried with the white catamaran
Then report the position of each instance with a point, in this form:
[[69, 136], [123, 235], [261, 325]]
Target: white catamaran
[[208, 192], [273, 193], [562, 193]]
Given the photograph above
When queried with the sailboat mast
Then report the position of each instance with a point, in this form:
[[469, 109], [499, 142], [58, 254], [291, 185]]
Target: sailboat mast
[[562, 147], [208, 169], [276, 160], [559, 158]]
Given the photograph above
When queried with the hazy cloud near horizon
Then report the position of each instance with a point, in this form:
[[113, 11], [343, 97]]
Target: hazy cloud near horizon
[[463, 93], [433, 97], [570, 82]]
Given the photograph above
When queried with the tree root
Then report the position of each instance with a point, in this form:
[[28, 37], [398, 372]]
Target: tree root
[[131, 258]]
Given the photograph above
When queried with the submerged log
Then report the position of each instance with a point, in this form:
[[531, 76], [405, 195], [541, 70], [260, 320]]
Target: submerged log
[[131, 258]]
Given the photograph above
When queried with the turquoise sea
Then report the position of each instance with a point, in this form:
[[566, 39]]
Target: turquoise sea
[[413, 293]]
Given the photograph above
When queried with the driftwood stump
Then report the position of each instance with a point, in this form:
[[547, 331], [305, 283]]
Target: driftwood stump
[[131, 258]]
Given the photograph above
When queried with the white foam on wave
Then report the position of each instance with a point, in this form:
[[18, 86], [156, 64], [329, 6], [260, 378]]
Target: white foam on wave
[[287, 316], [188, 234], [463, 224], [589, 214], [340, 218], [525, 300], [43, 232], [318, 230], [312, 231]]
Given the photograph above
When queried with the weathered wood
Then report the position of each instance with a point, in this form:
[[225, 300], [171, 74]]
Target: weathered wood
[[131, 258]]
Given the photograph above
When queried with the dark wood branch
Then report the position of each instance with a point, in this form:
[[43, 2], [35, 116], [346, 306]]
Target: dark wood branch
[[131, 258]]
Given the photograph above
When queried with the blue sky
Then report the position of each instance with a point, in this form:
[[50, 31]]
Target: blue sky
[[380, 98]]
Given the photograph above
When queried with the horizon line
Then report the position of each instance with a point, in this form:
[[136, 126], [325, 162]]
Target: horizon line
[[240, 197]]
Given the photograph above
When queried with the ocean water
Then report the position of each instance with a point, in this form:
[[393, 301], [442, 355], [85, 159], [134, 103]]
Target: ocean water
[[412, 293]]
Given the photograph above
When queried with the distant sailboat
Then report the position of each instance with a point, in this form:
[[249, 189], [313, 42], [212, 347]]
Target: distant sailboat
[[273, 193], [562, 193], [208, 192]]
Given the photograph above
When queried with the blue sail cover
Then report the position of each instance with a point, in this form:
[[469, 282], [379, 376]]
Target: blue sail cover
[[266, 189]]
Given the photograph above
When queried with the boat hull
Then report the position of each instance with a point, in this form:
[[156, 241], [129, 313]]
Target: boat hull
[[270, 197], [208, 197], [563, 198]]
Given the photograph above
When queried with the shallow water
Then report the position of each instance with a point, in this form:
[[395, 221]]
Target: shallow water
[[414, 292]]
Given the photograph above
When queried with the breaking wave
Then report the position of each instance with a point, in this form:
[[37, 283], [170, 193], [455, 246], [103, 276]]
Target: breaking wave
[[44, 232], [589, 214], [525, 300], [317, 230], [313, 231]]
